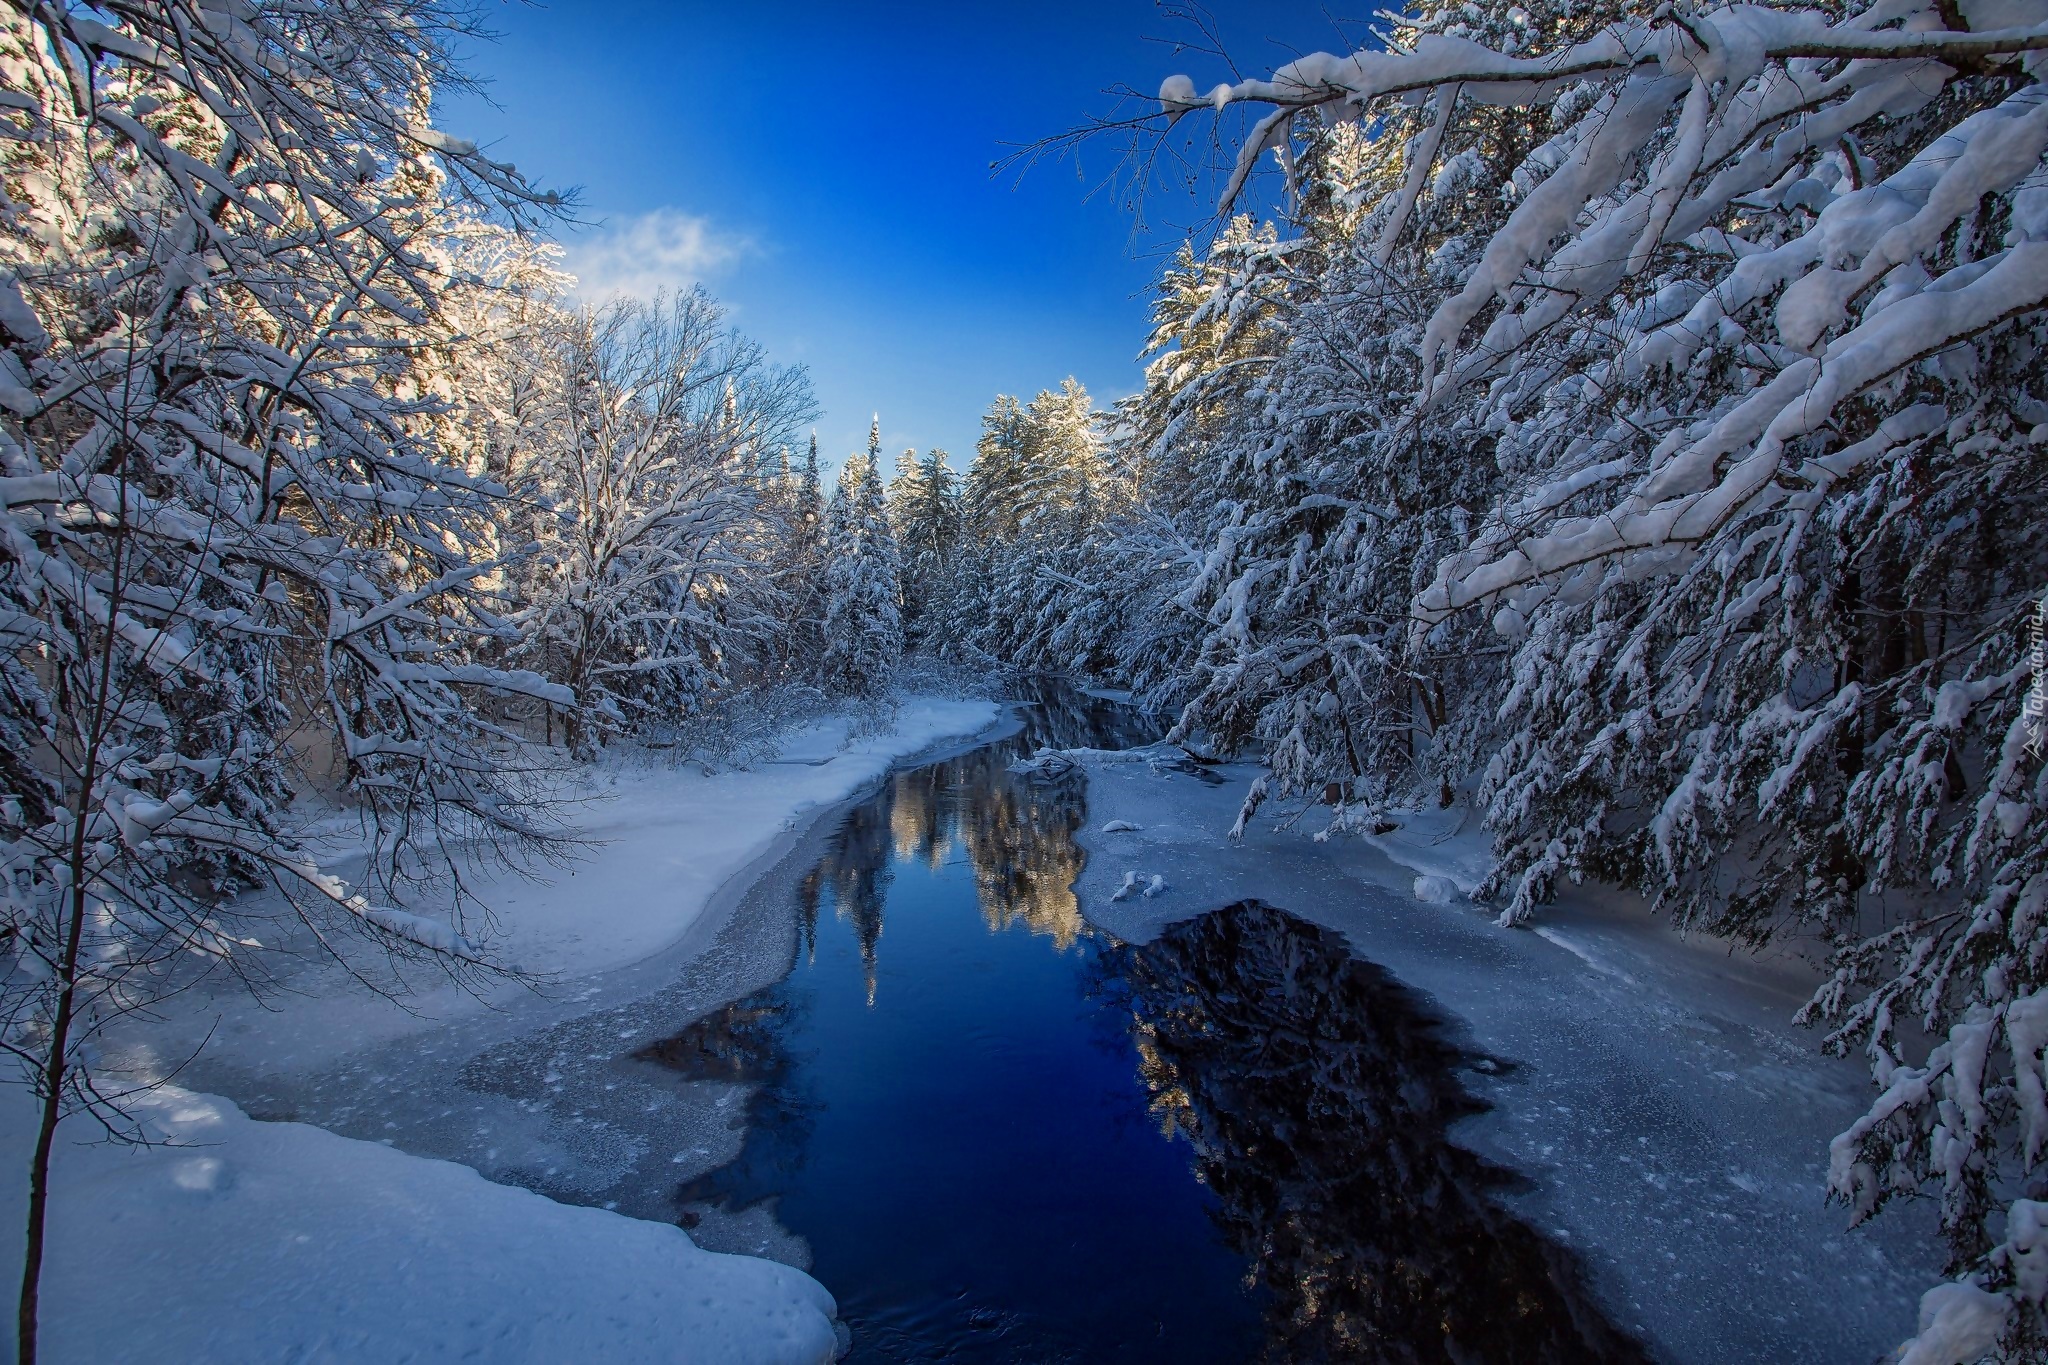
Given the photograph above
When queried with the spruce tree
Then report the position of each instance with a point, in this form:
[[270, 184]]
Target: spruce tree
[[863, 628], [924, 508], [800, 571]]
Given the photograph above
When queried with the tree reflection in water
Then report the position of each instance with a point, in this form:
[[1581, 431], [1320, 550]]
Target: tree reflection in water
[[1316, 1092], [985, 1154], [1017, 834]]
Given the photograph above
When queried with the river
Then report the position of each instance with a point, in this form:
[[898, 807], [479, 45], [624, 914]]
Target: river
[[997, 1133]]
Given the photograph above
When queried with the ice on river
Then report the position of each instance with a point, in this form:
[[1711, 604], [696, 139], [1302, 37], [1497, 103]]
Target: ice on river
[[662, 841], [1674, 1123]]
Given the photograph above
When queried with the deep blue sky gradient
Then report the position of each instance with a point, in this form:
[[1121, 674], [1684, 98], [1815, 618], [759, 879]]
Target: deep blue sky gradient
[[848, 147]]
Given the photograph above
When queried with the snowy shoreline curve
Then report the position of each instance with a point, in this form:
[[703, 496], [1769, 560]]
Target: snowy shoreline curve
[[240, 1239]]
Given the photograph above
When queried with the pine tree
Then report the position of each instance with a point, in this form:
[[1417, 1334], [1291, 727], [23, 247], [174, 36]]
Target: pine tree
[[990, 501], [924, 509], [863, 626], [1034, 502]]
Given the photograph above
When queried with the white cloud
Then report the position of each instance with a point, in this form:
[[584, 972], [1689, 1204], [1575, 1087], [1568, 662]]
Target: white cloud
[[640, 256]]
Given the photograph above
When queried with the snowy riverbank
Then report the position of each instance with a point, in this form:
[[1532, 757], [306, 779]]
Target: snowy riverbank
[[240, 1241], [670, 849], [245, 1240], [1673, 1121]]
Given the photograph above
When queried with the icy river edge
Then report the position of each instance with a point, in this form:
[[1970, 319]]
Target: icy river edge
[[1674, 1125]]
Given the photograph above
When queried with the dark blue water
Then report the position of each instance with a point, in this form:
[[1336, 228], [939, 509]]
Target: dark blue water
[[1009, 1137]]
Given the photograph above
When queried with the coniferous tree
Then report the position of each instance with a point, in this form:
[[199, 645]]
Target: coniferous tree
[[800, 572], [1033, 502], [863, 627], [924, 509]]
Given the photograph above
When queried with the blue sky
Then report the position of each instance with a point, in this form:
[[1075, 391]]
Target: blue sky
[[824, 169]]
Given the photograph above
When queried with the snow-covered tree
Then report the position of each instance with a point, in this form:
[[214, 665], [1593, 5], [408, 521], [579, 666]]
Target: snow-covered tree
[[231, 544], [863, 625], [798, 563], [1033, 461], [924, 511], [647, 583], [1034, 496]]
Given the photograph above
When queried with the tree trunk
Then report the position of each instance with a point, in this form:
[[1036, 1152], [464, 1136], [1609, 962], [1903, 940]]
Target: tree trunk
[[54, 1075]]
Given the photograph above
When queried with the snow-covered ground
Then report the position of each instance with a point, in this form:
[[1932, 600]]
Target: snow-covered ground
[[1675, 1124], [672, 836], [247, 1240], [240, 1241]]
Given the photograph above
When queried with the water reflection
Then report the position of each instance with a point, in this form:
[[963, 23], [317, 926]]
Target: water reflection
[[748, 1042], [856, 873], [740, 1043], [1016, 835], [1315, 1092], [1227, 1145]]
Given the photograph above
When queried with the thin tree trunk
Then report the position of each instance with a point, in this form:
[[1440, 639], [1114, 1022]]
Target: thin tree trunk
[[54, 1075], [56, 1067]]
